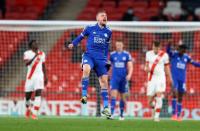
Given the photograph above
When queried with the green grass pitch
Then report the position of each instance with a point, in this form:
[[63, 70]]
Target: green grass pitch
[[94, 124]]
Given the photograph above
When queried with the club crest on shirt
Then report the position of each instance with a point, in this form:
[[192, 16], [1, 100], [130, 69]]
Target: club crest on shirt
[[106, 35], [115, 58], [124, 58], [94, 32], [185, 60]]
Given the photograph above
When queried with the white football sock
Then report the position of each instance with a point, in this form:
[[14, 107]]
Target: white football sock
[[158, 106], [36, 106]]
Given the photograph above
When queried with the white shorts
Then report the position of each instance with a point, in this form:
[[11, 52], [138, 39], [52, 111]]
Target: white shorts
[[34, 84], [156, 85]]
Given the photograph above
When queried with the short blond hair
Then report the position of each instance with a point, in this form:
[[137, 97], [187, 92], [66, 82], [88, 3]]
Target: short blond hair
[[100, 11]]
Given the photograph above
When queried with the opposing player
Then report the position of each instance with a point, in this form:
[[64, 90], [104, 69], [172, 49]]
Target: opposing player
[[95, 57], [122, 68], [157, 65], [179, 60], [36, 78]]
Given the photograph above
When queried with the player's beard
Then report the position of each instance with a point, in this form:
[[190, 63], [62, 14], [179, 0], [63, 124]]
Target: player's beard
[[103, 24]]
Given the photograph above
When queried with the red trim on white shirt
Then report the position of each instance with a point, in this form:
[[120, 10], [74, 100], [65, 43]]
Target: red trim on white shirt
[[34, 65], [155, 63]]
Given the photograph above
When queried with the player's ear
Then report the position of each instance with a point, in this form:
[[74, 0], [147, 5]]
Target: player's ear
[[97, 17]]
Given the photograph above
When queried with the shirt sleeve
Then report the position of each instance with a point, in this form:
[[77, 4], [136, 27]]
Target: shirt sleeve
[[85, 31], [166, 59], [129, 57], [170, 52], [78, 39], [146, 57], [43, 58], [26, 56]]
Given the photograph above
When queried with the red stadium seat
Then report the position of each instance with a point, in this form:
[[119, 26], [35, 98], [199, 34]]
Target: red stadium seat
[[16, 8]]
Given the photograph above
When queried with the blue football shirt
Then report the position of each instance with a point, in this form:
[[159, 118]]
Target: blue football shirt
[[98, 40], [119, 62], [178, 64]]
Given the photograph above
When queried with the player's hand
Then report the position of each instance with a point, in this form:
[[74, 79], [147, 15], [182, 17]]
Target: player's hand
[[70, 46], [128, 77]]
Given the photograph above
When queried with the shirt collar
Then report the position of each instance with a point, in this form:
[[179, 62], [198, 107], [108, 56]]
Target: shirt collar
[[97, 25]]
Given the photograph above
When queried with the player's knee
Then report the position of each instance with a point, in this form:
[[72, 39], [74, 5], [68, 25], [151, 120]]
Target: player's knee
[[150, 99], [103, 84], [114, 94], [159, 94], [38, 92], [86, 70], [103, 81]]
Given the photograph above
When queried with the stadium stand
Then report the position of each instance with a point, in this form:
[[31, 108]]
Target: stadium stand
[[144, 10], [9, 44], [19, 10]]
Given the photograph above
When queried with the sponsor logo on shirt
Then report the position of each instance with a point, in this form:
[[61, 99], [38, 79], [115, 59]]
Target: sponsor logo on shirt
[[119, 64], [180, 65], [99, 40]]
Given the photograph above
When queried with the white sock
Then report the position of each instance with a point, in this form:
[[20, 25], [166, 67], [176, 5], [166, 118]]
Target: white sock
[[36, 106], [158, 106]]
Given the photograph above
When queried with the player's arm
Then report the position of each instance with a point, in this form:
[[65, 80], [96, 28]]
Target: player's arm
[[169, 50], [29, 61], [130, 70], [129, 67], [44, 70], [194, 63], [79, 38], [168, 73], [146, 66], [45, 74], [167, 69]]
